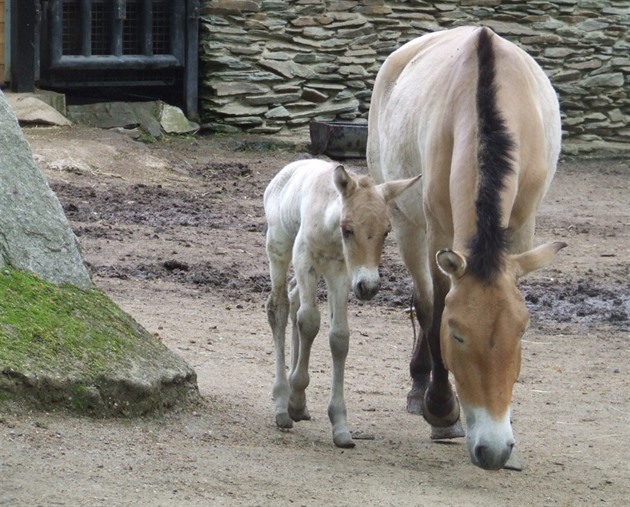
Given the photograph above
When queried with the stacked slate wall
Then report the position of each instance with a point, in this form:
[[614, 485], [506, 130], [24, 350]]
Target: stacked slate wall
[[273, 66]]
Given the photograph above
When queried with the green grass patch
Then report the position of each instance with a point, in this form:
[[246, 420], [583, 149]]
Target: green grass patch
[[50, 328]]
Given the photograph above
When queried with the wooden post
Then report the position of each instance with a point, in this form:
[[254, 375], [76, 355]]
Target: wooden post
[[191, 64], [24, 24]]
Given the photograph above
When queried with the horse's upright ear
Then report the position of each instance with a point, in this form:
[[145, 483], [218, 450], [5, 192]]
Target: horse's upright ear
[[537, 258], [392, 189], [343, 181], [451, 263]]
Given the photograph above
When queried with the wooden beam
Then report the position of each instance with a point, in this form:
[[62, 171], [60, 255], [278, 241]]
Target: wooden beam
[[23, 45]]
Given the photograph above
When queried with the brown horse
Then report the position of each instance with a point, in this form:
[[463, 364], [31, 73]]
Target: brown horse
[[329, 223], [479, 118]]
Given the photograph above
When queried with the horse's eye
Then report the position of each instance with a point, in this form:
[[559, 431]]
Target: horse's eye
[[458, 339], [347, 231]]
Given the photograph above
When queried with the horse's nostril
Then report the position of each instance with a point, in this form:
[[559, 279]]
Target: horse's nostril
[[489, 460], [360, 287], [480, 452]]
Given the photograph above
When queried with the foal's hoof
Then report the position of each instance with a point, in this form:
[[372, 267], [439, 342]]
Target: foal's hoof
[[284, 421], [343, 439], [454, 431]]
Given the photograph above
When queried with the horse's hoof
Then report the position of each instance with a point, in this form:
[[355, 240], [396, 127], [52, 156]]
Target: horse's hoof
[[284, 421], [438, 415], [414, 402], [343, 439], [301, 414], [454, 431]]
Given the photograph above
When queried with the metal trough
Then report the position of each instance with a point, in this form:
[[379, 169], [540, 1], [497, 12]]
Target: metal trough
[[338, 140]]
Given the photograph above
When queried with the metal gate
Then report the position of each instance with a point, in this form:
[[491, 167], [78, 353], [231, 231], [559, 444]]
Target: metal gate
[[145, 45]]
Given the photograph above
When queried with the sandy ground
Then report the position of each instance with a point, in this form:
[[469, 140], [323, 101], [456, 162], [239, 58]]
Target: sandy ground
[[173, 232]]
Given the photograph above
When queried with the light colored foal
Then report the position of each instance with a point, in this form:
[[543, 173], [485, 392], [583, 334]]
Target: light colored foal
[[331, 223]]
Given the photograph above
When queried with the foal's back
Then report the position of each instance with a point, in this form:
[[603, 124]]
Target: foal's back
[[301, 190]]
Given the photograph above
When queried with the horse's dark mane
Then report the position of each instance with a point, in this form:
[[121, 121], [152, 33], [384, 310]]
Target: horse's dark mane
[[494, 157]]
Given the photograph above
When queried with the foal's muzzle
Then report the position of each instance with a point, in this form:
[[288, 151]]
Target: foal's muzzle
[[365, 284], [365, 291]]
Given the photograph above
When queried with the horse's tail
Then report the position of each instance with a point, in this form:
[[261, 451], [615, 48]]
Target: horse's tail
[[494, 159]]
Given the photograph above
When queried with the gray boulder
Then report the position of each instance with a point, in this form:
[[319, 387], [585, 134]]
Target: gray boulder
[[95, 359], [34, 232]]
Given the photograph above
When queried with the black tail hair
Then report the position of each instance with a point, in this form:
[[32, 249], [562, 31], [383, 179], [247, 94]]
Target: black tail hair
[[494, 158]]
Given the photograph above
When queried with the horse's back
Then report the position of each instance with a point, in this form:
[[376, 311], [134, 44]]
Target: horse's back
[[433, 80]]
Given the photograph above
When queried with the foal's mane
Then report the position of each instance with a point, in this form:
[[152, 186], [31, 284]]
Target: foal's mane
[[494, 159]]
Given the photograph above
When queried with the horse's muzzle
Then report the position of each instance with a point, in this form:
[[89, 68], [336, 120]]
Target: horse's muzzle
[[490, 441], [491, 459]]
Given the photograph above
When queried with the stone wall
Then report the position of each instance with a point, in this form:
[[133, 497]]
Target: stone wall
[[270, 66]]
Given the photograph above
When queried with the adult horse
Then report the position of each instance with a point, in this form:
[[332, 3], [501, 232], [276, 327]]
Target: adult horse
[[479, 118], [331, 223]]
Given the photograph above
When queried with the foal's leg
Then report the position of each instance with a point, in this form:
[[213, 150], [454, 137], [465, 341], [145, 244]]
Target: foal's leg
[[279, 253], [308, 322], [294, 306], [338, 337]]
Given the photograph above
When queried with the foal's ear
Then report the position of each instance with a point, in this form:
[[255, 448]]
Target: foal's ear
[[451, 263], [344, 182], [392, 189], [537, 258]]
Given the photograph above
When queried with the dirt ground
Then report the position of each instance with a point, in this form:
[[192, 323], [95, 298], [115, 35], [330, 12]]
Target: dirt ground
[[174, 232]]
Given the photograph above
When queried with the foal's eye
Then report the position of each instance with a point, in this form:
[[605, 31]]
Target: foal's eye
[[347, 231]]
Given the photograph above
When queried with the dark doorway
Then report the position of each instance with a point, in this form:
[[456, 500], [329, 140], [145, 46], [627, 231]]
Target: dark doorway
[[108, 49]]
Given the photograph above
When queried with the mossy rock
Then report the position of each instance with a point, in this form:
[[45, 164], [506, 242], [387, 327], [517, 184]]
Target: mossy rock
[[66, 348]]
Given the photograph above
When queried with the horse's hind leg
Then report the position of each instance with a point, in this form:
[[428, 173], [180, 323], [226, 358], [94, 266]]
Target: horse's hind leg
[[294, 305], [307, 326], [279, 253], [420, 371]]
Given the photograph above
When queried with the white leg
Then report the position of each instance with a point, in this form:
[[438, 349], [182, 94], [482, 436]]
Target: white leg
[[307, 325], [279, 253], [339, 337], [294, 306]]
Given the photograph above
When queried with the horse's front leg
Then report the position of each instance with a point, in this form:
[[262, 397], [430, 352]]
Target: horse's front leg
[[420, 369], [440, 406], [412, 244], [306, 326], [339, 338]]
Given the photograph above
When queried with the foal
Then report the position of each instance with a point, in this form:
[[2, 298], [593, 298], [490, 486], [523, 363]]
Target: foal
[[331, 223]]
